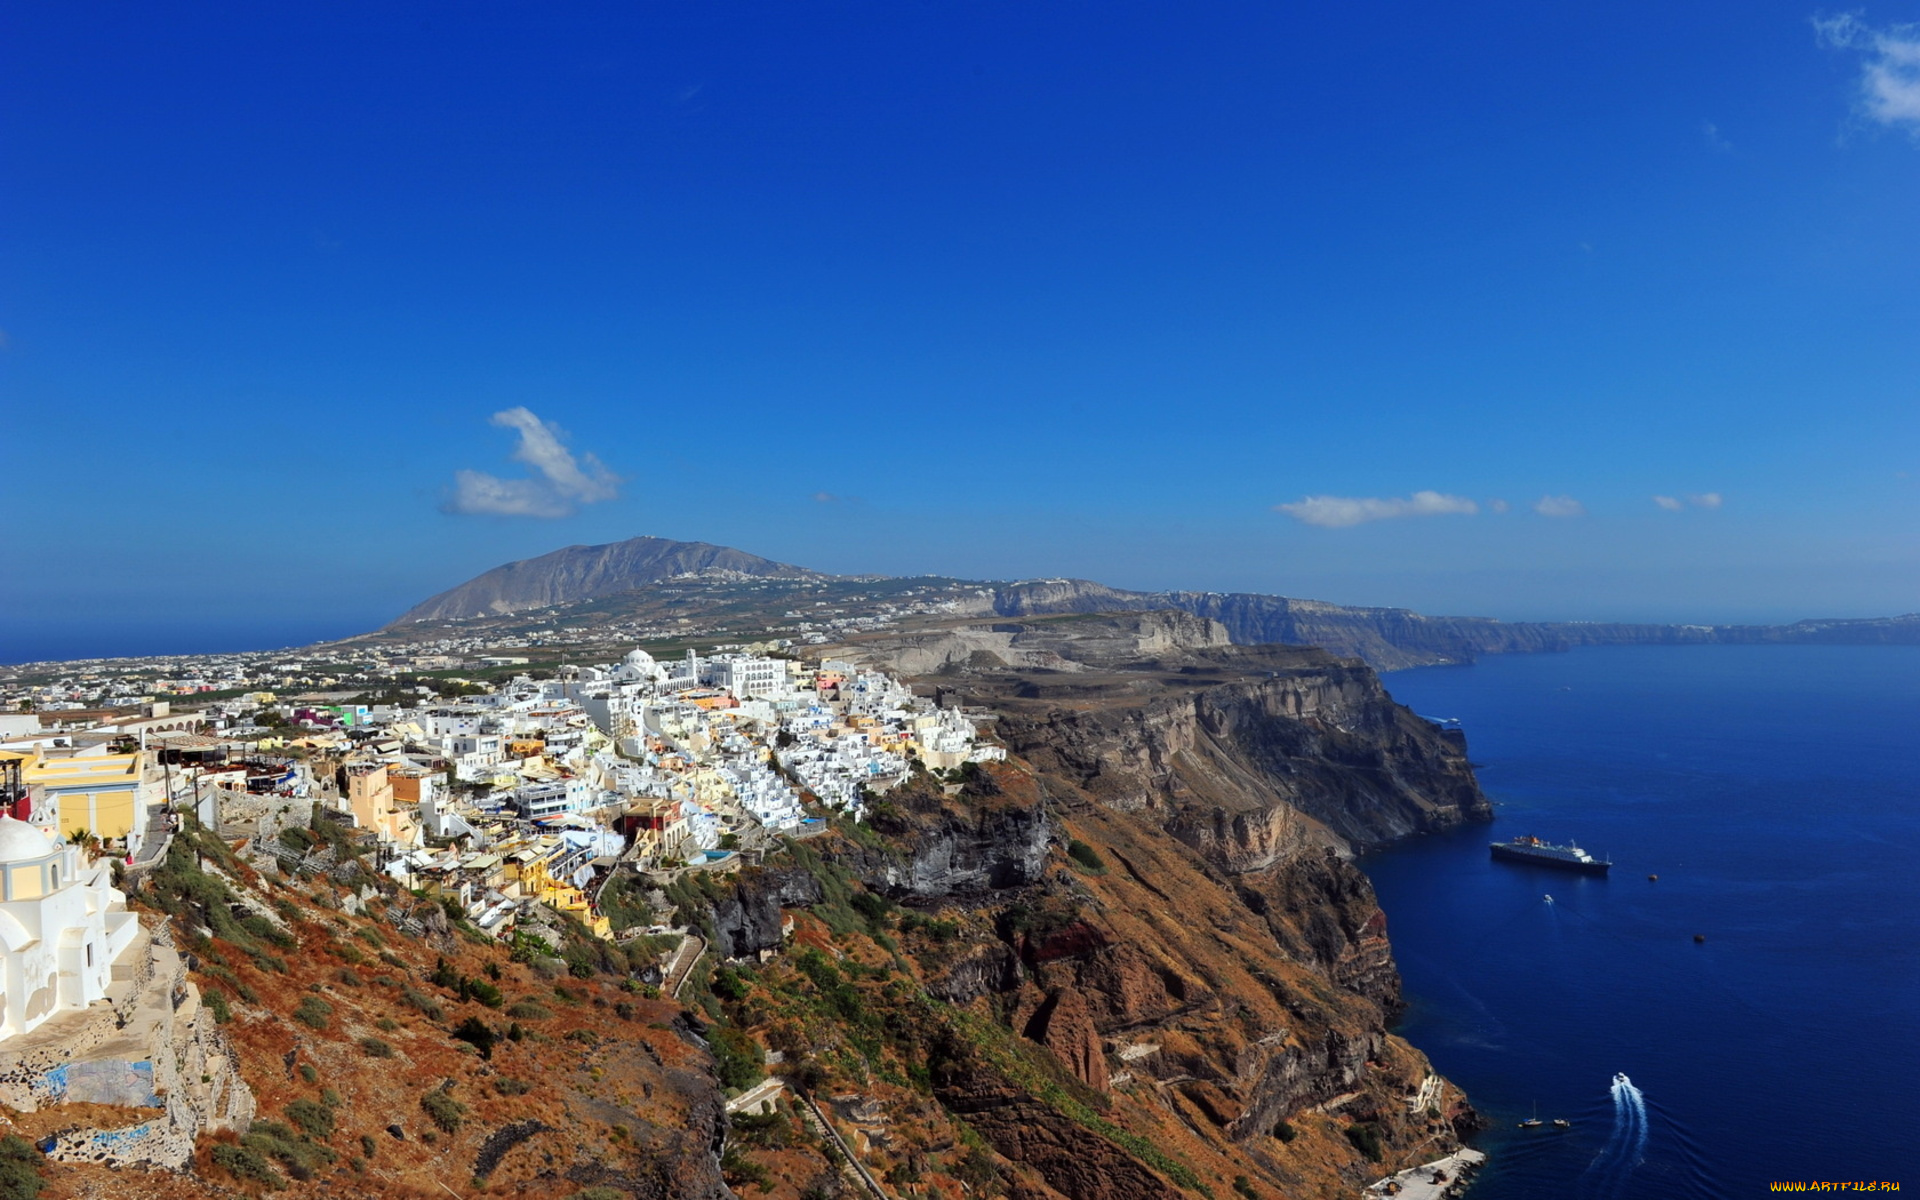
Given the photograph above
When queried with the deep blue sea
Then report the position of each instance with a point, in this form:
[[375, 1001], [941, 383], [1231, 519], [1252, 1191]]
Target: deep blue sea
[[1775, 790]]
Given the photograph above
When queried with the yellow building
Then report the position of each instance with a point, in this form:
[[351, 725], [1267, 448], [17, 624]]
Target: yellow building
[[101, 794], [528, 868]]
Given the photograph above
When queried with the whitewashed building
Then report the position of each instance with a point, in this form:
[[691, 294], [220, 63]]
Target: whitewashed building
[[62, 926]]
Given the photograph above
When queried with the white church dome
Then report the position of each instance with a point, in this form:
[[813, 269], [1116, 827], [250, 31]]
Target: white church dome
[[21, 842], [639, 658]]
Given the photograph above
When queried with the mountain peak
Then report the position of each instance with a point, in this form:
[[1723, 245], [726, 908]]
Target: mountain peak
[[589, 572]]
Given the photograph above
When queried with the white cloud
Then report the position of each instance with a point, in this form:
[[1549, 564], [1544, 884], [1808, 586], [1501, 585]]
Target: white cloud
[[1339, 512], [1890, 68], [1670, 503], [1559, 506], [1499, 506], [561, 484], [1705, 500]]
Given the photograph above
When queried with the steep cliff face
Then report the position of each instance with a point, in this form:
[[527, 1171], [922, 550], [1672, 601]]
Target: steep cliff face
[[1150, 968], [1148, 1016], [1252, 753], [1257, 770], [1390, 639]]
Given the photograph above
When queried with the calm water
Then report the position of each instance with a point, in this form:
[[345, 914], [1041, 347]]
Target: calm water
[[1775, 790]]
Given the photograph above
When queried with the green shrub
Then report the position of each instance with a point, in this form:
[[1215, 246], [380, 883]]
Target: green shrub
[[19, 1169], [872, 906], [373, 1047], [511, 1087], [737, 1058], [217, 1005], [739, 1170], [476, 1033], [242, 1162], [268, 932], [729, 983], [443, 1110], [299, 1155], [1085, 855], [1365, 1139], [527, 1010], [771, 1129], [313, 1119], [313, 1012]]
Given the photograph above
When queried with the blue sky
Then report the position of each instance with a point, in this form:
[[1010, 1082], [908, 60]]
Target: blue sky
[[311, 311]]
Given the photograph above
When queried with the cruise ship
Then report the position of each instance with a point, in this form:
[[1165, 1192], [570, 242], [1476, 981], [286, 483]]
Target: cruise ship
[[1531, 849]]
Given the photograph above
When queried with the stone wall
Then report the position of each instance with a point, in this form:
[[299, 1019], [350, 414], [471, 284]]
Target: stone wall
[[151, 1045], [261, 818]]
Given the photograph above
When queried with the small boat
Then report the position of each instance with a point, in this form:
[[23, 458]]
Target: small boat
[[1562, 1123], [1533, 1122]]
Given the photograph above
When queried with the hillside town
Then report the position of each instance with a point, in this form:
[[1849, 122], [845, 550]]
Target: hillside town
[[444, 655], [499, 801]]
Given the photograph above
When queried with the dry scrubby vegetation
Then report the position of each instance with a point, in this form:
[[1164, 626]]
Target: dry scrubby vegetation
[[388, 1064], [382, 1062]]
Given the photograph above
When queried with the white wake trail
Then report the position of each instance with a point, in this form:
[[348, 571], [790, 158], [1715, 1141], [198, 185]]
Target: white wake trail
[[1606, 1177], [1636, 1100]]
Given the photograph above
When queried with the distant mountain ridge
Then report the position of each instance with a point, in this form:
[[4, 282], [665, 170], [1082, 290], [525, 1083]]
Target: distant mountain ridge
[[1387, 638], [588, 573], [1394, 638]]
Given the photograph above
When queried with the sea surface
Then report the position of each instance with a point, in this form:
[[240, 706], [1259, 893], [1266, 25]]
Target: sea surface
[[43, 641], [1775, 791]]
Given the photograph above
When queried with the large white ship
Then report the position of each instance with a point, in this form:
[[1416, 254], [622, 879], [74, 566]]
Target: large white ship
[[1530, 849]]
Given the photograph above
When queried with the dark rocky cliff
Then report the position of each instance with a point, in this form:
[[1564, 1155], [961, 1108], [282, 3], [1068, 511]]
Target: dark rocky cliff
[[1200, 991]]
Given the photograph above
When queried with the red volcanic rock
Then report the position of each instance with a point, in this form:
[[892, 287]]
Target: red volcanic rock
[[1064, 1025]]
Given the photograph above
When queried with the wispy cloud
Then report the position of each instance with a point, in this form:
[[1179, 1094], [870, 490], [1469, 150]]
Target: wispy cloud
[[1715, 142], [1889, 83], [1698, 500], [1339, 512], [1559, 506], [1498, 505], [560, 484]]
